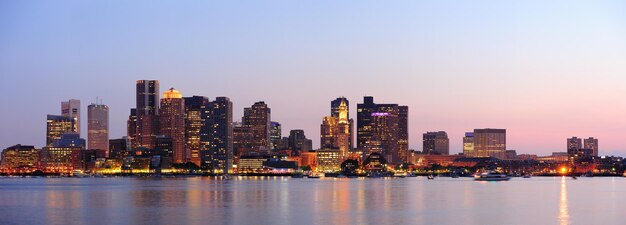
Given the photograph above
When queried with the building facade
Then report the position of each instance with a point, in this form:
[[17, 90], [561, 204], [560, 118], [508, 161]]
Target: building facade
[[172, 123], [56, 126], [258, 118], [147, 113], [98, 127], [72, 108], [436, 143], [381, 129]]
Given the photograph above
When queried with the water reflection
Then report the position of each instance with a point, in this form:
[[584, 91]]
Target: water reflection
[[563, 208]]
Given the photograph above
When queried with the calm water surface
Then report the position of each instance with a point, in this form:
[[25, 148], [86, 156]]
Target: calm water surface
[[204, 200]]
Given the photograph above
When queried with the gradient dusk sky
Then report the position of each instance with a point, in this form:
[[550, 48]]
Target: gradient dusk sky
[[544, 70]]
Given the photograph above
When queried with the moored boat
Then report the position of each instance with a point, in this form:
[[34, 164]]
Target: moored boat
[[491, 176]]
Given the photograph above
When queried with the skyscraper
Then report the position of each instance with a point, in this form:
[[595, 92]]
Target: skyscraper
[[131, 129], [436, 143], [258, 117], [98, 127], [592, 143], [336, 130], [468, 144], [56, 126], [275, 135], [147, 110], [197, 112], [381, 129], [219, 155], [403, 125], [172, 123], [298, 141], [490, 143], [574, 145], [72, 108]]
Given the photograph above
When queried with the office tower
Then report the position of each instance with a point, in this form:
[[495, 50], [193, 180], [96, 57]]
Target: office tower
[[468, 144], [490, 143], [336, 130], [164, 147], [131, 129], [258, 117], [242, 140], [58, 125], [172, 123], [119, 148], [403, 140], [72, 108], [381, 128], [592, 143], [147, 110], [219, 155], [334, 112], [298, 142], [98, 127], [197, 111], [436, 143], [328, 133], [275, 135]]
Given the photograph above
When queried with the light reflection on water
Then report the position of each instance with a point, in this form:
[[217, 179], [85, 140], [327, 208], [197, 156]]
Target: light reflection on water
[[282, 200]]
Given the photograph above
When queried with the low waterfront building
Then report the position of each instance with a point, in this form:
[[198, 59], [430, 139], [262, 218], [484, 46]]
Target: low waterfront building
[[251, 163], [328, 160], [20, 158]]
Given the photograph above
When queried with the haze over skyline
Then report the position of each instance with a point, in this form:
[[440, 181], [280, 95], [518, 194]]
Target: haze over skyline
[[545, 71]]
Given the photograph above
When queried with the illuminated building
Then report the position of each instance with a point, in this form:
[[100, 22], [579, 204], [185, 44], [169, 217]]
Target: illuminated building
[[309, 159], [242, 140], [172, 123], [336, 109], [147, 111], [219, 154], [375, 162], [57, 126], [592, 143], [379, 128], [258, 118], [275, 135], [468, 144], [72, 108], [250, 164], [58, 159], [403, 140], [197, 111], [436, 143], [131, 128], [328, 160], [119, 148], [336, 130], [20, 157], [489, 143], [298, 141], [98, 127]]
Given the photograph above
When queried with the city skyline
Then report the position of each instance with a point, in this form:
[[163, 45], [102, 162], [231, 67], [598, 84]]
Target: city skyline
[[540, 84]]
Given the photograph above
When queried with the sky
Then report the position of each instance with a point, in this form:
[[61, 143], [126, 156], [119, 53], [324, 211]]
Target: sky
[[543, 70]]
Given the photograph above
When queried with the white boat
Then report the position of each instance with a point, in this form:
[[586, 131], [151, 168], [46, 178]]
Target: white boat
[[491, 176], [431, 177]]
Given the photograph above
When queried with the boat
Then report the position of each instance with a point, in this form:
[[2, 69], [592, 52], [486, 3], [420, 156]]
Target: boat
[[431, 177], [314, 175], [400, 175], [491, 176]]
